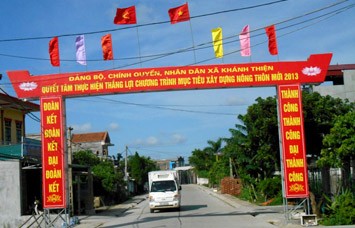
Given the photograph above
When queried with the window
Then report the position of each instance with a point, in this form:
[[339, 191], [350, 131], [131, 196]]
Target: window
[[7, 131], [18, 131]]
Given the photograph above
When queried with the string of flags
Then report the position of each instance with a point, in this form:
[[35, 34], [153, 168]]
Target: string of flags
[[126, 16]]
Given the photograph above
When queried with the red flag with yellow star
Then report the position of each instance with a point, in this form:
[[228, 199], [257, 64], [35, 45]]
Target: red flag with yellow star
[[179, 14], [125, 16]]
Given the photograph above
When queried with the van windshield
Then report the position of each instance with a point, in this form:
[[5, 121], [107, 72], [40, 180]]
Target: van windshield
[[163, 186]]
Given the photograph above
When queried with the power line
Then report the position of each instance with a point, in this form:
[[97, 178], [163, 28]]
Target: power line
[[167, 108], [205, 45], [142, 25]]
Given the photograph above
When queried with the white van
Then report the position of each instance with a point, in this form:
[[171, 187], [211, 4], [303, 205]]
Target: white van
[[164, 190]]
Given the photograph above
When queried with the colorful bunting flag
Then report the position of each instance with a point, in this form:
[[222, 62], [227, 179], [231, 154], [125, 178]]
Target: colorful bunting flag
[[179, 14], [125, 16], [54, 51], [106, 43], [244, 39], [217, 42], [80, 50], [271, 34]]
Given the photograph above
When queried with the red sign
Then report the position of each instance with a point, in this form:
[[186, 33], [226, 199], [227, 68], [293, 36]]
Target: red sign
[[51, 89], [171, 78], [293, 147], [53, 172]]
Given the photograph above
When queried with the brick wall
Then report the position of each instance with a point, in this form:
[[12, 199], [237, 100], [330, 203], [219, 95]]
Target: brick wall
[[231, 186]]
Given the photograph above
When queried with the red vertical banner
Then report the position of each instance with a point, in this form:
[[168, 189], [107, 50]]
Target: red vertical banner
[[293, 146], [53, 169]]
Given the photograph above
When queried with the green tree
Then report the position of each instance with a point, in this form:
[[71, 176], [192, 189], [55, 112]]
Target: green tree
[[319, 114], [236, 150], [215, 147], [108, 181], [218, 171], [138, 168], [105, 173], [262, 139], [85, 157], [339, 146], [202, 160]]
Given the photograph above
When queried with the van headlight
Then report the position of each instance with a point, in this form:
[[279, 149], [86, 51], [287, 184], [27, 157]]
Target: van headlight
[[176, 197], [151, 198]]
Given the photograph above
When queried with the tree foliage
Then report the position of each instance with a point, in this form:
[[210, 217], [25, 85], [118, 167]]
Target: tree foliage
[[85, 157], [138, 168], [338, 146], [105, 173], [106, 178], [254, 143], [202, 160]]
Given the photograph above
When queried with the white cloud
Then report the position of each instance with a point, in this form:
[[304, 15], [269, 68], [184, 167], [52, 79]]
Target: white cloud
[[86, 127], [236, 101], [113, 126], [178, 138], [152, 140]]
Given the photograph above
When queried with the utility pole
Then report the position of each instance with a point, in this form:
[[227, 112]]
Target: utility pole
[[125, 166], [230, 167], [70, 172], [126, 171]]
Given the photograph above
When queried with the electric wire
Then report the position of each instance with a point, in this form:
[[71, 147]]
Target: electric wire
[[162, 107], [167, 108], [159, 56], [142, 25], [207, 44]]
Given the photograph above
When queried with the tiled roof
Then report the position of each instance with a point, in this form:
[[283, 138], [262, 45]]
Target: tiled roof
[[89, 137]]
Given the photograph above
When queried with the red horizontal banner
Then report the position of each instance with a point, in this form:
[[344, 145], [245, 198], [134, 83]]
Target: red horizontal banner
[[293, 147], [171, 78], [53, 172]]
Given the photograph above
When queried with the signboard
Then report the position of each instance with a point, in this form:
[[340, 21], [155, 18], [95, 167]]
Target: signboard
[[288, 76], [53, 171], [171, 78], [293, 147]]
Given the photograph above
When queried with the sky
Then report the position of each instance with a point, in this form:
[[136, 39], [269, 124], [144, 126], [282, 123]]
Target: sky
[[165, 125]]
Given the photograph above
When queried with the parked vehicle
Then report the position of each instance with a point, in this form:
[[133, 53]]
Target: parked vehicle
[[164, 190]]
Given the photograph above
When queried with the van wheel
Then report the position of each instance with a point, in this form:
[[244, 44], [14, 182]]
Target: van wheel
[[151, 210]]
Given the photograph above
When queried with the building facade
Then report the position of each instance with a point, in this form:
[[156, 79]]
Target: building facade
[[19, 160], [97, 142], [339, 82]]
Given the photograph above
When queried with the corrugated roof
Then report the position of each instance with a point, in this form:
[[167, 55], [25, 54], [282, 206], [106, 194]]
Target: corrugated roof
[[89, 137], [9, 102]]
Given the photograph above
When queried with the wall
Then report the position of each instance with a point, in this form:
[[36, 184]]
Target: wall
[[14, 116], [10, 206], [93, 146], [345, 91]]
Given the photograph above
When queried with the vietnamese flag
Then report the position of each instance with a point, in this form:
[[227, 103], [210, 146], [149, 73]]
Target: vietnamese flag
[[106, 43], [125, 16], [271, 34], [54, 51], [179, 14]]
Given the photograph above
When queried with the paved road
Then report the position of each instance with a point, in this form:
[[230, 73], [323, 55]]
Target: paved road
[[201, 207]]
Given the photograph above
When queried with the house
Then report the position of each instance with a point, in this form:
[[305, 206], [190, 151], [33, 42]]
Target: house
[[19, 160], [97, 142], [339, 82]]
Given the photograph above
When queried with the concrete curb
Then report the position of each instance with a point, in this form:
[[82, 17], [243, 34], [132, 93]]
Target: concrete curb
[[271, 214], [97, 220]]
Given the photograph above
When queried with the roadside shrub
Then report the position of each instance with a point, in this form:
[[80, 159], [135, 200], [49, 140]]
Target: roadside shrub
[[340, 211], [270, 187]]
